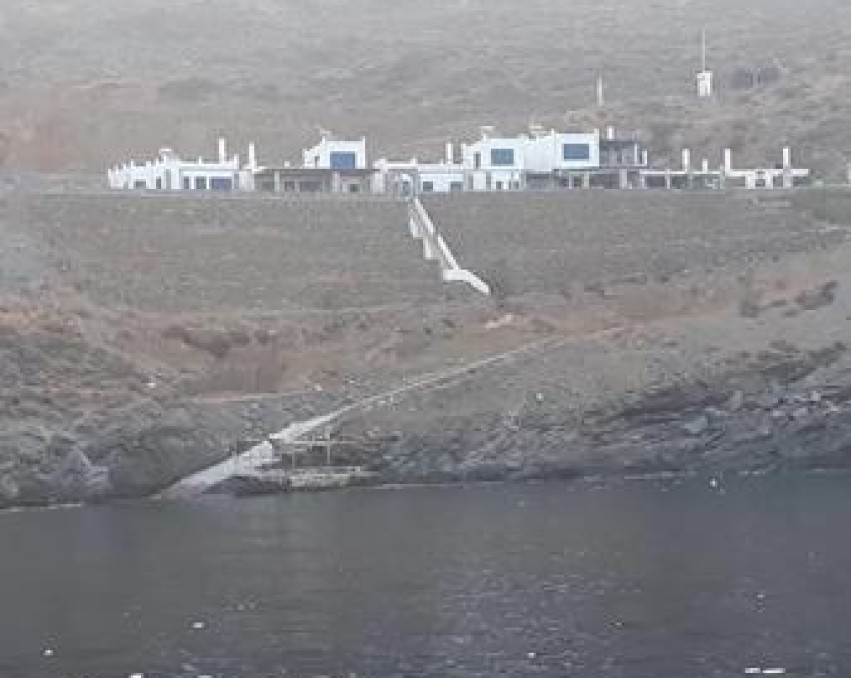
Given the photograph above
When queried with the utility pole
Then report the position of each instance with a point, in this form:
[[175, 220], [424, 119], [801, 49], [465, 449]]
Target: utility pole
[[705, 77]]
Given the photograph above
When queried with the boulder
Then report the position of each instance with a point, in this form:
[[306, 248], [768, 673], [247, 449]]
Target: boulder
[[697, 426]]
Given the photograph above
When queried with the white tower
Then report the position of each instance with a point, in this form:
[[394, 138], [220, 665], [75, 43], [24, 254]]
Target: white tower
[[705, 76]]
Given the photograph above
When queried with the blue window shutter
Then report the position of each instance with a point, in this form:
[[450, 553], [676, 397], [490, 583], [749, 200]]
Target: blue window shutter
[[344, 161], [577, 152], [502, 157]]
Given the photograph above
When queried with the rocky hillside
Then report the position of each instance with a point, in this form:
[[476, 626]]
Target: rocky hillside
[[84, 83], [738, 362]]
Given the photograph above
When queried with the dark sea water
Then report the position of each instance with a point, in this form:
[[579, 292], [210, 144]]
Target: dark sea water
[[640, 580]]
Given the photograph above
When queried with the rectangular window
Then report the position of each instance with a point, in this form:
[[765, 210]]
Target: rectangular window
[[187, 184], [456, 186], [498, 185], [289, 187], [221, 184], [502, 157], [428, 186], [577, 152], [354, 188], [309, 186], [344, 161], [200, 183], [140, 184], [159, 183]]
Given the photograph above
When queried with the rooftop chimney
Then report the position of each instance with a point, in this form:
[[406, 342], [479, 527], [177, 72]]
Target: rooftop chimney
[[223, 150]]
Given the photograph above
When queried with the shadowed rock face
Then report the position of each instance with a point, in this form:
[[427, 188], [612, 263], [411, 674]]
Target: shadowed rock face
[[740, 422]]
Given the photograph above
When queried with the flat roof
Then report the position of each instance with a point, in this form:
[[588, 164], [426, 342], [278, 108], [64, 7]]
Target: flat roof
[[312, 171]]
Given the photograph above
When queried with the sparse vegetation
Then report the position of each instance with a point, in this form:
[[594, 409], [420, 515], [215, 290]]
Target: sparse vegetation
[[408, 95]]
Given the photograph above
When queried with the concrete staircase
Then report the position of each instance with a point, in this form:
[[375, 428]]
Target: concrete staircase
[[435, 249]]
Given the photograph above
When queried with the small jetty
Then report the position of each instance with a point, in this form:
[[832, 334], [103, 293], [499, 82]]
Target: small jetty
[[279, 481]]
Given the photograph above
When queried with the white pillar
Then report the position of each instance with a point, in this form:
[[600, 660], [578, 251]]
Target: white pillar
[[788, 181], [450, 153], [705, 166], [728, 160], [223, 150], [686, 160], [252, 156], [610, 132]]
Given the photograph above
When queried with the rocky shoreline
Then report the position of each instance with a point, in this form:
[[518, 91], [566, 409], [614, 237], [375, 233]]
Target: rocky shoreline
[[753, 423], [785, 409], [749, 423], [802, 425]]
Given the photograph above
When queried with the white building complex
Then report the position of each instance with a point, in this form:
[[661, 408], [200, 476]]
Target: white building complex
[[538, 160], [331, 166], [169, 172], [495, 163], [408, 177]]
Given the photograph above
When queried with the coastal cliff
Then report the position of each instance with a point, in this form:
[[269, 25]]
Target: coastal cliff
[[721, 360]]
